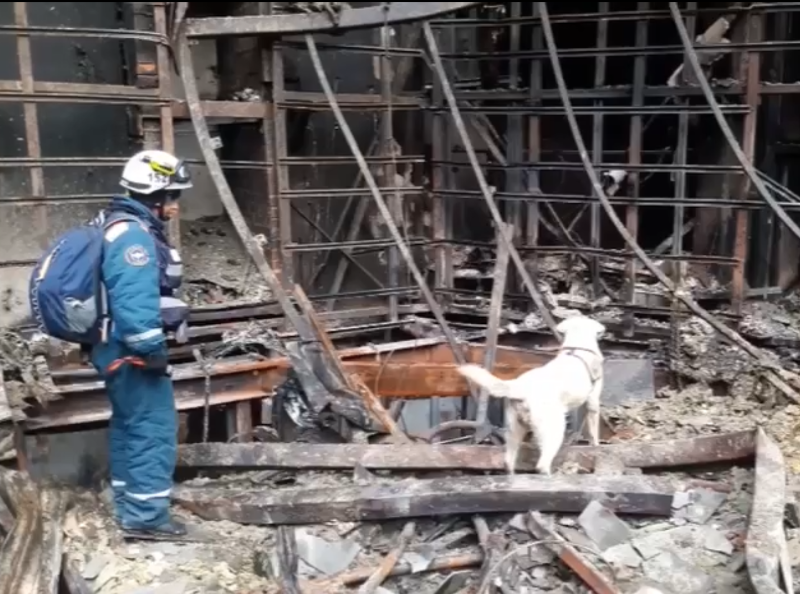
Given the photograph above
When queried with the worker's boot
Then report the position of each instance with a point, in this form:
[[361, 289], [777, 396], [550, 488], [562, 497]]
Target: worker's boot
[[169, 529]]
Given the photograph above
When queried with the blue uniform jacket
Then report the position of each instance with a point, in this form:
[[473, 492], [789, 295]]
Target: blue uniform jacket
[[133, 275]]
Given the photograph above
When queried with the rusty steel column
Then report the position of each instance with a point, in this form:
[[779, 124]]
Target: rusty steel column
[[165, 111], [32, 135], [751, 75], [635, 155]]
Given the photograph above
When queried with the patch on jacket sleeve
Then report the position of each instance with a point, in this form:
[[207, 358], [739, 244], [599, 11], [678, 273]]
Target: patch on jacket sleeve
[[136, 255]]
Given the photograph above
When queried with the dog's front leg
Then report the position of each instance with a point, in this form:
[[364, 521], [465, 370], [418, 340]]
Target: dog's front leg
[[515, 433]]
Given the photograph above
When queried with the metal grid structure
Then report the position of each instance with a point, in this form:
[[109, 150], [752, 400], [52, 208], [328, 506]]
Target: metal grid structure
[[509, 106], [512, 115], [34, 94], [517, 121]]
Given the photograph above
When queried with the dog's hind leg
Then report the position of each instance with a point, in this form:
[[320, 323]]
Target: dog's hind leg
[[593, 425], [593, 414], [515, 434], [549, 437]]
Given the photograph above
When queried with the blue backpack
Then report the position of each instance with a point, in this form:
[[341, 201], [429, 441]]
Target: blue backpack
[[66, 293]]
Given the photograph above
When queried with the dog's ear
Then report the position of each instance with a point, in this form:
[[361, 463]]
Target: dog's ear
[[598, 327]]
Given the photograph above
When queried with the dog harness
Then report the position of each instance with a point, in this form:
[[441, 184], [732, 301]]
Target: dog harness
[[594, 369]]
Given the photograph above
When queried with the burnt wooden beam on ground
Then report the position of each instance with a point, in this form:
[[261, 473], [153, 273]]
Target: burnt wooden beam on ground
[[431, 497], [677, 452], [20, 554], [706, 449], [569, 555], [767, 555]]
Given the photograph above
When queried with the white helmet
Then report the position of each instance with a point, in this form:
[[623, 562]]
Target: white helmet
[[150, 171]]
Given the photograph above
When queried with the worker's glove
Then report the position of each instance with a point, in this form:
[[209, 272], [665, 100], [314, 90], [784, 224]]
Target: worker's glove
[[157, 363]]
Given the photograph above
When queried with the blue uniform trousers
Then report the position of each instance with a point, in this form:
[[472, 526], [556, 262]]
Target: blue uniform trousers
[[143, 438]]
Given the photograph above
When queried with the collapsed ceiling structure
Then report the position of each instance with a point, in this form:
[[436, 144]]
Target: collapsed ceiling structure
[[613, 147]]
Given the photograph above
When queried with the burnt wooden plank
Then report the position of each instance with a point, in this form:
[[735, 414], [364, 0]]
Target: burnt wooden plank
[[677, 452], [341, 456], [418, 498]]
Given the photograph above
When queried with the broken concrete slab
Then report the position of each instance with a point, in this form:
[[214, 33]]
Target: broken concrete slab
[[697, 505], [603, 526], [686, 542], [94, 567], [650, 588], [678, 575], [319, 557], [716, 541], [622, 555]]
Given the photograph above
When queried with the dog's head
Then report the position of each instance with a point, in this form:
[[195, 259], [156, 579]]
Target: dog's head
[[581, 325]]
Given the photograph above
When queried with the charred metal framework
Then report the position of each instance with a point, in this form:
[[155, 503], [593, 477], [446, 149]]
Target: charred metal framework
[[640, 96], [497, 62], [150, 95]]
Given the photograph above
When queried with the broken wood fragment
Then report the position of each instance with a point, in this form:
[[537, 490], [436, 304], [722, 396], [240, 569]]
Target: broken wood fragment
[[20, 553], [431, 497], [389, 562], [585, 569], [288, 561], [357, 576], [677, 452], [492, 545], [766, 549]]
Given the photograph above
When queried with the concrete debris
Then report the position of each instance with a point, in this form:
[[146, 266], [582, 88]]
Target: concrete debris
[[320, 557], [217, 268], [678, 575], [623, 555], [697, 505], [651, 588], [603, 526]]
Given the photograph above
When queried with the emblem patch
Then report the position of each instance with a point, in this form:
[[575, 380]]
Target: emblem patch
[[136, 255]]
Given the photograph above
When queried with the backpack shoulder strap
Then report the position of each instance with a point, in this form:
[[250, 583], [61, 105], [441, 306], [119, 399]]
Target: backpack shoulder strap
[[104, 311]]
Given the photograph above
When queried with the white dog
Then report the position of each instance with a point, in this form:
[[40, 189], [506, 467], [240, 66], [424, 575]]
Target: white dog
[[539, 399]]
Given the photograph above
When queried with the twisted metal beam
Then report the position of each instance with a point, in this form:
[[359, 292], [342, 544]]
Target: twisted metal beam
[[777, 376], [383, 208], [752, 173], [502, 230]]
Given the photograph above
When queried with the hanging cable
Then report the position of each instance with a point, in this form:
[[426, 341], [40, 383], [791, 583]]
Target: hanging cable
[[773, 372], [691, 54]]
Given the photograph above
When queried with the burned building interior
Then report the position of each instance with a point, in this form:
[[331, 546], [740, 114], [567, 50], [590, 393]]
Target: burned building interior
[[386, 191]]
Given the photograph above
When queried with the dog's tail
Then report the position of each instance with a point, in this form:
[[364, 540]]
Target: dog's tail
[[486, 380]]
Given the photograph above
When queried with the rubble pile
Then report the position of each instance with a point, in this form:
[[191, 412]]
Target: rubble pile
[[645, 513], [217, 268], [697, 546]]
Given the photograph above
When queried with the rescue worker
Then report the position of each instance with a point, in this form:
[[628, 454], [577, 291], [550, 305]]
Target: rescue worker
[[140, 272]]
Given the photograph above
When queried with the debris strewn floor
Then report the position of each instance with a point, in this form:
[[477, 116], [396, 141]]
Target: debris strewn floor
[[217, 268]]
